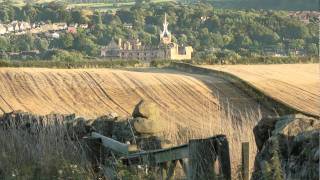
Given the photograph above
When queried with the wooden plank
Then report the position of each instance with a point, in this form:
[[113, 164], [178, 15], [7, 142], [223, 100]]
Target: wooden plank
[[245, 160], [112, 144], [172, 154], [158, 156]]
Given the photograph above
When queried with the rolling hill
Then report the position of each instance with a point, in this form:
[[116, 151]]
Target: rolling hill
[[296, 85]]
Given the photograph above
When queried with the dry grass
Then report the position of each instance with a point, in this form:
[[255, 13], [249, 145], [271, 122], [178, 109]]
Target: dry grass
[[198, 105], [237, 128], [297, 85], [94, 92], [47, 153]]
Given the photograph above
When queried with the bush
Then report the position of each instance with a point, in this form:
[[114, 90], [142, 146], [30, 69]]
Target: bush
[[160, 63], [69, 63]]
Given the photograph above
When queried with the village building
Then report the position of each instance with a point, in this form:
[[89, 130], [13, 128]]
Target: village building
[[3, 29], [134, 49], [305, 16]]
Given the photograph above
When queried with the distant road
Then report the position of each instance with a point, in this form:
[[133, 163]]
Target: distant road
[[297, 85]]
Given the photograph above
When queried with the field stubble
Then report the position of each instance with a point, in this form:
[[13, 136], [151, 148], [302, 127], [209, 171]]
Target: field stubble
[[194, 106]]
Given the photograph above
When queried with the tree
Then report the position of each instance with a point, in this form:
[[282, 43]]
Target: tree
[[67, 41], [4, 45], [312, 49], [96, 18], [125, 16], [25, 42], [85, 45], [295, 30], [41, 44]]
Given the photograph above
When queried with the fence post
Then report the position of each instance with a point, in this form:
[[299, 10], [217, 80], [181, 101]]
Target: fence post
[[94, 152], [245, 160], [201, 159]]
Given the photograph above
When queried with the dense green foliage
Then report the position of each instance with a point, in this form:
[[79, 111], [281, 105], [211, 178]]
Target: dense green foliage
[[69, 64], [269, 4], [214, 33]]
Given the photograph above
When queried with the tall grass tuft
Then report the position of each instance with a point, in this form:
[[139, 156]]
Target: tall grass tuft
[[237, 126], [41, 153]]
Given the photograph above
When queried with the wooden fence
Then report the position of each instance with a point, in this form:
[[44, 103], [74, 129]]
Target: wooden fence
[[200, 158]]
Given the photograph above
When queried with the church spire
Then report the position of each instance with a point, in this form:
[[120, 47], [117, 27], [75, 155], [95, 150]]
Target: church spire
[[165, 34], [165, 25]]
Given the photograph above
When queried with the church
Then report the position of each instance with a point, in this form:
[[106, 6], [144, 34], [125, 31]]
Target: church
[[134, 49]]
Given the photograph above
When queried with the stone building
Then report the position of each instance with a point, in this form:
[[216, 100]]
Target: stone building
[[134, 49]]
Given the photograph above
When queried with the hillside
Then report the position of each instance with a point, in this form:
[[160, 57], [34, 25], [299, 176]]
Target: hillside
[[186, 99], [297, 85]]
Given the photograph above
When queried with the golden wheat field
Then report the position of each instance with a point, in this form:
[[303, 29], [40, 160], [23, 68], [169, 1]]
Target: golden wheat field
[[94, 92], [296, 85], [205, 105]]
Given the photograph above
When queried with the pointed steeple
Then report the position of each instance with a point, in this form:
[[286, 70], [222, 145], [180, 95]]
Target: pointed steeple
[[165, 26], [165, 35]]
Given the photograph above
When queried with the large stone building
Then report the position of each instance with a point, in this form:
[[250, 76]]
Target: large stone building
[[134, 49]]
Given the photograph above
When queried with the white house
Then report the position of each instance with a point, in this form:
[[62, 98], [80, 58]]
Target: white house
[[3, 29]]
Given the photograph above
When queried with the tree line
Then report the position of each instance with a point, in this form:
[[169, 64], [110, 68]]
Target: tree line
[[214, 33]]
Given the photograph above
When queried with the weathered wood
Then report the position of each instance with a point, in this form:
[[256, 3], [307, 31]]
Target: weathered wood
[[156, 157], [222, 147], [170, 172], [112, 144], [197, 157], [245, 160], [202, 155]]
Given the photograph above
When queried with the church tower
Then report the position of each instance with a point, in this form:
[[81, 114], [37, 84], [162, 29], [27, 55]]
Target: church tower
[[165, 35]]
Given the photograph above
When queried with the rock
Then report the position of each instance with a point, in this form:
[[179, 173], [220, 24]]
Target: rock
[[293, 125], [122, 130], [113, 115], [262, 131], [152, 143], [147, 119], [104, 125], [78, 128], [148, 126], [289, 145], [146, 109], [25, 120]]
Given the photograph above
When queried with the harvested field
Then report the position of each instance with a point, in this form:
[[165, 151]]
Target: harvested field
[[94, 92], [201, 104], [296, 85]]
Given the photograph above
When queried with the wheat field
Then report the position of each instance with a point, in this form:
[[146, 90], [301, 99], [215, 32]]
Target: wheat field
[[205, 105], [296, 85]]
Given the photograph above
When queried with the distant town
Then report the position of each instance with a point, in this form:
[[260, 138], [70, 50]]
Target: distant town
[[126, 35]]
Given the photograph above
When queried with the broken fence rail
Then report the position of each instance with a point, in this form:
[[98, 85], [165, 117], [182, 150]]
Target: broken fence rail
[[198, 157]]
